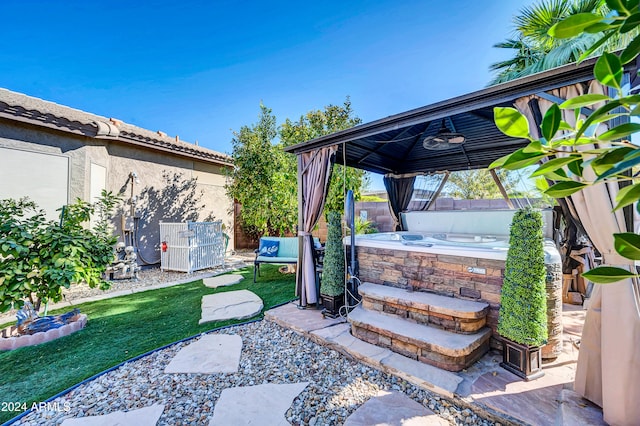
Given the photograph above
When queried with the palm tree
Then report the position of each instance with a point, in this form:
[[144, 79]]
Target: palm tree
[[536, 51]]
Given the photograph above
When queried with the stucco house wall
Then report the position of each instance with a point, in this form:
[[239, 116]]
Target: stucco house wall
[[55, 154]]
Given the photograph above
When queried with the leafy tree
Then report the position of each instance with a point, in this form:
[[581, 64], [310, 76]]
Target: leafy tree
[[264, 178], [259, 179], [571, 151], [478, 184], [536, 50], [319, 123], [40, 257]]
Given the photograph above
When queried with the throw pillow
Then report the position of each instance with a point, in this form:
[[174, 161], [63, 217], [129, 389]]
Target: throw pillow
[[269, 248]]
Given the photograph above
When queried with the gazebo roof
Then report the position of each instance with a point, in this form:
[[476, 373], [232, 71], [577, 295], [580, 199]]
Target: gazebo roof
[[394, 144]]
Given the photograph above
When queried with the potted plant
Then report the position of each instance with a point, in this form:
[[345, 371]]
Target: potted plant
[[523, 305], [332, 284]]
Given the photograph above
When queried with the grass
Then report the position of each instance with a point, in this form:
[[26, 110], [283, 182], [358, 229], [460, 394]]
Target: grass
[[120, 329]]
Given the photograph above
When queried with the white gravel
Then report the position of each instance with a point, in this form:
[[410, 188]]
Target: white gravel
[[271, 354]]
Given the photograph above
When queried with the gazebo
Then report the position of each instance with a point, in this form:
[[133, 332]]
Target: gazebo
[[460, 134]]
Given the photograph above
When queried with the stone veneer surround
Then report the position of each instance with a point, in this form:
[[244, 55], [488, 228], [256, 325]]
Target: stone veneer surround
[[449, 275], [444, 274]]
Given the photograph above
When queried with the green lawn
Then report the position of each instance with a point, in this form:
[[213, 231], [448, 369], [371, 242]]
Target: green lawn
[[120, 329]]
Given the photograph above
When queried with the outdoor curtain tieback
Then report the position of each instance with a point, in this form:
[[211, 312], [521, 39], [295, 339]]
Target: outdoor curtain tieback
[[303, 234]]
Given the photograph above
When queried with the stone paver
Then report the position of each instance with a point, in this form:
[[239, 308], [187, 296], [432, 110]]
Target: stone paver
[[496, 389], [256, 405], [393, 409], [339, 337], [147, 416], [424, 375], [222, 280], [301, 320], [577, 411], [239, 304], [212, 353]]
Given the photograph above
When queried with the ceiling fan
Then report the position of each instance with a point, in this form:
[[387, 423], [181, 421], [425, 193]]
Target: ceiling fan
[[443, 139]]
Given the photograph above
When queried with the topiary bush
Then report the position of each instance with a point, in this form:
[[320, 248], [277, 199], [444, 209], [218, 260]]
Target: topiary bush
[[523, 310], [333, 271]]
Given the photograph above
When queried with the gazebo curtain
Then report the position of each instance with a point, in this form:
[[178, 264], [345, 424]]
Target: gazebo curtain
[[427, 188], [608, 371], [314, 171], [399, 190]]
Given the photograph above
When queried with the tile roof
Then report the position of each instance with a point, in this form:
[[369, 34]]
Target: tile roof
[[27, 109]]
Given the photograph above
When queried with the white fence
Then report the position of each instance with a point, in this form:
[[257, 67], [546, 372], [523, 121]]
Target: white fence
[[191, 246]]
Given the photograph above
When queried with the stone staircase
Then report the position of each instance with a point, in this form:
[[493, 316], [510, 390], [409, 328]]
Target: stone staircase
[[443, 331]]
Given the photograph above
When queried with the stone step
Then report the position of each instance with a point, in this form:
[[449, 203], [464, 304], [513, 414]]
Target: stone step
[[434, 346], [448, 313]]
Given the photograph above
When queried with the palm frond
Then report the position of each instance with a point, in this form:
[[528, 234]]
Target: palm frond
[[588, 6], [535, 51], [509, 44], [569, 51], [536, 20], [524, 56]]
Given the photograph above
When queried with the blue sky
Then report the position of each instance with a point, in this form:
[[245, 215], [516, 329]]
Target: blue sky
[[199, 69]]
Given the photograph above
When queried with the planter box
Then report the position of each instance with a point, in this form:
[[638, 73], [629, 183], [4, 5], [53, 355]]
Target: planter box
[[522, 360], [332, 305]]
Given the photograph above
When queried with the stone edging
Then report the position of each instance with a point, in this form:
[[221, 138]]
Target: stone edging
[[10, 343]]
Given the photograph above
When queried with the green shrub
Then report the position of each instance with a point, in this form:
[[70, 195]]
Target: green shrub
[[523, 310], [39, 257], [333, 273], [364, 226]]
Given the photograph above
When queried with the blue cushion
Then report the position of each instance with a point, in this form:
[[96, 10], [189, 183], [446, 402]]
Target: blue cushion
[[268, 248]]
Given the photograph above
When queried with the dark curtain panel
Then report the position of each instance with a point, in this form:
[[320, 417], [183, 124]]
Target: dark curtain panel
[[399, 191]]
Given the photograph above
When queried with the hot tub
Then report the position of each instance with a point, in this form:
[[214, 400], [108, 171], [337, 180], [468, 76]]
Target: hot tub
[[491, 246], [462, 265]]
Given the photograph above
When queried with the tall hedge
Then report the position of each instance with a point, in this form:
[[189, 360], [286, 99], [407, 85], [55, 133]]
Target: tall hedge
[[332, 283], [523, 310]]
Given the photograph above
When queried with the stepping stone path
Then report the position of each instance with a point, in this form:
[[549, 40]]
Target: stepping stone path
[[222, 280], [393, 409], [212, 353], [255, 405], [264, 404], [239, 304], [147, 416]]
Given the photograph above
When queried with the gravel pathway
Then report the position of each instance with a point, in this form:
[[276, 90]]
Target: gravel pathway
[[271, 354], [155, 276]]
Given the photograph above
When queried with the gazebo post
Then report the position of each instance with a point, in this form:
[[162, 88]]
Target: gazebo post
[[300, 237], [503, 191]]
